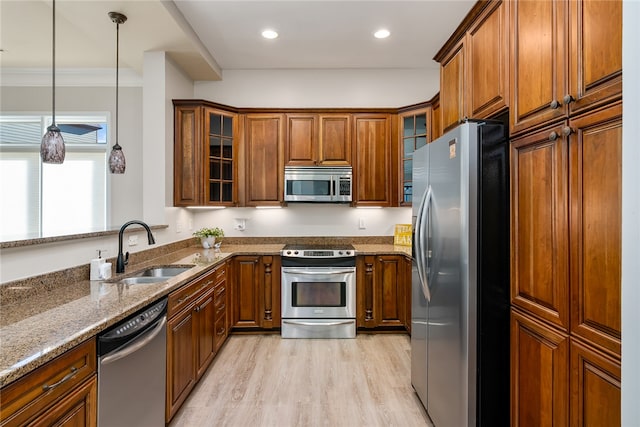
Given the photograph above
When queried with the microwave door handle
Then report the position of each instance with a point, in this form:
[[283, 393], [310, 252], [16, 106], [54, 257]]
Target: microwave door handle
[[334, 191]]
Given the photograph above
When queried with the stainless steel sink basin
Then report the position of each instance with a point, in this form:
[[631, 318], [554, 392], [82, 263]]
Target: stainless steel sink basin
[[140, 280], [168, 271]]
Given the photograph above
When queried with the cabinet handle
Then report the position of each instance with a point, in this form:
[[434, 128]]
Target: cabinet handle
[[554, 104], [553, 136], [566, 131], [568, 99], [184, 298], [47, 387]]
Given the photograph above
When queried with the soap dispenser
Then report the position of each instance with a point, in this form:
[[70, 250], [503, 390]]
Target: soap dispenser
[[96, 267]]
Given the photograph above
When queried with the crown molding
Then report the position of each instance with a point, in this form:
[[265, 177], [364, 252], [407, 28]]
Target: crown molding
[[72, 77]]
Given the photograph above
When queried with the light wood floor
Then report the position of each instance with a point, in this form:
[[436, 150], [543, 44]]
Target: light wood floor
[[264, 380]]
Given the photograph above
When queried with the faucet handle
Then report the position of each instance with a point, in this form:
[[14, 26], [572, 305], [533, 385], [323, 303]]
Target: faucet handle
[[126, 258]]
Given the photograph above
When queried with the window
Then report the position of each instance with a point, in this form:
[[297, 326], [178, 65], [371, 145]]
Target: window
[[39, 199]]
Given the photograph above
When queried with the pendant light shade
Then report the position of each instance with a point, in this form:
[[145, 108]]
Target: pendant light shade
[[52, 145], [117, 162]]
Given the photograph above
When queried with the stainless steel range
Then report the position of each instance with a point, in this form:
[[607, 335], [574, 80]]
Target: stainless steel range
[[318, 291]]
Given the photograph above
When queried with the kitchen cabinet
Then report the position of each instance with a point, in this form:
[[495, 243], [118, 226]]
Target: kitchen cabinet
[[255, 294], [539, 373], [436, 118], [487, 61], [220, 303], [566, 58], [61, 392], [595, 387], [413, 135], [263, 171], [204, 155], [382, 284], [539, 226], [190, 337], [318, 139], [566, 255], [452, 83], [375, 160]]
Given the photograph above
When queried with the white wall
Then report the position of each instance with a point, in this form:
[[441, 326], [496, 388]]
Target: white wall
[[305, 220], [630, 214], [321, 88]]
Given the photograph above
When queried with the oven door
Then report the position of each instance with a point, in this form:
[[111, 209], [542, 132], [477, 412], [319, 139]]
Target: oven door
[[318, 292]]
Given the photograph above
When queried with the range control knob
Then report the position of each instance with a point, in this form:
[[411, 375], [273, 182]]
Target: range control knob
[[288, 252], [339, 252], [295, 253], [347, 253]]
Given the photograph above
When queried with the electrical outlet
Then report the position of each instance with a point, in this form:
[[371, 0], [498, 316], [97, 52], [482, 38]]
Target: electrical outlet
[[133, 240], [179, 227], [361, 224]]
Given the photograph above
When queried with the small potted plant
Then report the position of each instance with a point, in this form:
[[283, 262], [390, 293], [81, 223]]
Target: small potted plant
[[208, 236]]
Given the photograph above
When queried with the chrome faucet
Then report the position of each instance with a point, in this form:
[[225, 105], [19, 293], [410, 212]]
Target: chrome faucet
[[124, 260]]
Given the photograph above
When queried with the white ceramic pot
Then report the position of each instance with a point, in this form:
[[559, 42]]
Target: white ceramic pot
[[208, 242]]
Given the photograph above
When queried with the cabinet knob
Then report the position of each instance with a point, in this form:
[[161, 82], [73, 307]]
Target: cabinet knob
[[568, 99], [566, 131], [553, 136], [554, 104]]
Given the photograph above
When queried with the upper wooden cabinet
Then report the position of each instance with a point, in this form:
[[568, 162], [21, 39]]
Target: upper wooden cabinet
[[374, 160], [474, 66], [566, 57], [487, 46], [318, 139], [204, 154], [452, 79], [263, 171]]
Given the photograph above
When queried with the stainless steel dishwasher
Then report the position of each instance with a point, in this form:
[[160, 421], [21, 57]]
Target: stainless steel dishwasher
[[132, 370]]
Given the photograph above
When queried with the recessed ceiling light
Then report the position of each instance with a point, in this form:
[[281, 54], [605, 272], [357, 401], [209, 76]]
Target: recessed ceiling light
[[381, 34], [269, 34]]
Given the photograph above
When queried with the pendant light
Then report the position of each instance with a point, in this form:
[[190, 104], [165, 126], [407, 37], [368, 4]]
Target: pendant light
[[52, 146], [117, 162]]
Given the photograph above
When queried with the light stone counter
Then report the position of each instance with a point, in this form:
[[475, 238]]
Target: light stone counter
[[39, 321]]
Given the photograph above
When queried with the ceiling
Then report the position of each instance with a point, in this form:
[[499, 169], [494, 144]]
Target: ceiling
[[206, 37]]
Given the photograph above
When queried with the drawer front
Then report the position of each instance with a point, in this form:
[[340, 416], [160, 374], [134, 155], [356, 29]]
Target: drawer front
[[187, 294], [32, 394], [220, 303], [220, 273]]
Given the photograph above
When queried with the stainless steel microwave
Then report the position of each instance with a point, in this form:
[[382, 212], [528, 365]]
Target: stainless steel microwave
[[318, 184]]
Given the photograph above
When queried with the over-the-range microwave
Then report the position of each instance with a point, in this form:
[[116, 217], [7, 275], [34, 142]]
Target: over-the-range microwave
[[318, 184]]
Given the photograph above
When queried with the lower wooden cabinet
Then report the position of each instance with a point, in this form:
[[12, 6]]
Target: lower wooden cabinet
[[63, 392], [192, 341], [255, 294], [539, 373], [382, 284]]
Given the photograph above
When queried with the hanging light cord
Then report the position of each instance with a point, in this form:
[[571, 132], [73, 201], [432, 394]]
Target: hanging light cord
[[53, 69], [117, 75]]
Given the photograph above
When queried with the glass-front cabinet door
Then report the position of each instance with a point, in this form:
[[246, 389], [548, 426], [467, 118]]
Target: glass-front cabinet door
[[413, 134], [219, 171]]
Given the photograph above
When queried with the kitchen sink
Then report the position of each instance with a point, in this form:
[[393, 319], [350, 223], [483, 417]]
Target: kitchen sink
[[166, 271], [142, 280]]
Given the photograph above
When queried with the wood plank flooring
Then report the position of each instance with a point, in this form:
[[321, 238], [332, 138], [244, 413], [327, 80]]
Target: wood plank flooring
[[264, 380]]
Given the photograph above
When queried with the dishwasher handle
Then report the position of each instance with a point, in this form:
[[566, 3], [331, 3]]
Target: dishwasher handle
[[135, 345]]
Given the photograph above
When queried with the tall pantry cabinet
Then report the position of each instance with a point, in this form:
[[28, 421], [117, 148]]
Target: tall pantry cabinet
[[566, 127]]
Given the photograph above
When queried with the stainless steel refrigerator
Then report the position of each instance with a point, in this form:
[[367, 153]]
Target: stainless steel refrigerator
[[460, 278]]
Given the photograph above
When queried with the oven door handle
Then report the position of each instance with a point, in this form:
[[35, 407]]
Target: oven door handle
[[297, 322], [291, 271]]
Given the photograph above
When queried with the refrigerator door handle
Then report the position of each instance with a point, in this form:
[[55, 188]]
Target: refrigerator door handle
[[422, 235]]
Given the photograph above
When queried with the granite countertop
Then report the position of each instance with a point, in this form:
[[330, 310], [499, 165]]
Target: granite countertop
[[57, 317], [41, 321]]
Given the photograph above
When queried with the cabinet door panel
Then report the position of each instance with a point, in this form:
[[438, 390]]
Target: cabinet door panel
[[265, 159], [596, 227], [188, 156], [78, 409], [335, 140], [452, 79], [372, 151], [539, 229], [181, 359], [596, 53], [488, 61], [538, 62], [246, 299], [205, 332], [539, 374], [302, 137], [390, 292], [595, 387]]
